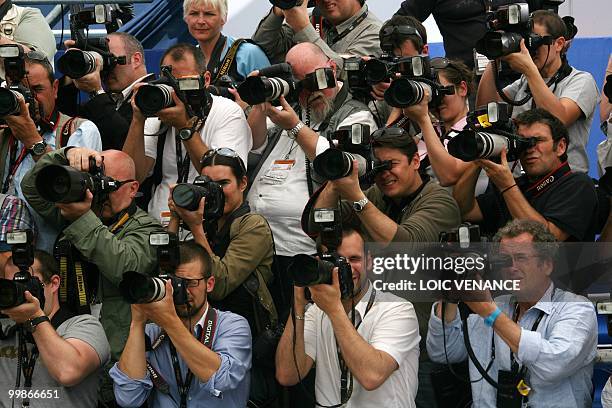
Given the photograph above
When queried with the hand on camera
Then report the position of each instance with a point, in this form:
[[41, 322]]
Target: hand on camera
[[378, 90], [327, 297], [499, 174], [163, 311], [175, 116], [139, 315], [285, 118], [193, 219], [22, 125], [78, 157], [419, 113], [348, 187], [137, 114], [26, 311], [74, 211], [520, 61], [297, 17], [91, 82]]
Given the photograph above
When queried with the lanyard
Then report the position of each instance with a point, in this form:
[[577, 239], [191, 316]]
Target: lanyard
[[346, 379], [546, 182], [27, 364], [215, 57], [14, 161], [206, 338], [346, 32], [182, 166]]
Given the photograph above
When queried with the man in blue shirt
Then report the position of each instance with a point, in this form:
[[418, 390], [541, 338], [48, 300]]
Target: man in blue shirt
[[213, 373], [205, 20], [541, 336]]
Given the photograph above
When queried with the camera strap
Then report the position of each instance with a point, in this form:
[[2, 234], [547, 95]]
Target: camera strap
[[333, 39], [346, 378], [545, 183], [214, 65], [207, 334], [26, 362], [182, 163], [14, 161], [230, 59]]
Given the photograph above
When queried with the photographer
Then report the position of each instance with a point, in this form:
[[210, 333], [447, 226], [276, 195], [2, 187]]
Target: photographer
[[14, 215], [225, 55], [108, 106], [38, 128], [220, 363], [348, 28], [222, 125], [573, 96], [451, 113], [104, 240], [549, 192], [241, 249], [541, 339], [380, 353], [26, 26], [281, 179], [68, 351]]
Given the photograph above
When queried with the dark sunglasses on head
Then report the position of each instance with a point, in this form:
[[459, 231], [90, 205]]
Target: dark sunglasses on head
[[225, 152], [402, 30]]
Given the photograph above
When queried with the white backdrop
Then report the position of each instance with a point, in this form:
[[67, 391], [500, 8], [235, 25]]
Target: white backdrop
[[593, 17]]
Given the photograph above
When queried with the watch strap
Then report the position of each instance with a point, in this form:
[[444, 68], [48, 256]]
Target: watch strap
[[293, 132], [360, 205], [36, 321]]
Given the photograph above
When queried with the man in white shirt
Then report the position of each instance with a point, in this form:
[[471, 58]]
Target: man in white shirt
[[183, 143], [380, 352]]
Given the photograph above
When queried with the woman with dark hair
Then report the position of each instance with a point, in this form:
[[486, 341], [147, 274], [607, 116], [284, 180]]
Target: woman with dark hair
[[451, 115], [241, 247]]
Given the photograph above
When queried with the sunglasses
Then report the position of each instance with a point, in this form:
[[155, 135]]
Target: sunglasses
[[225, 152]]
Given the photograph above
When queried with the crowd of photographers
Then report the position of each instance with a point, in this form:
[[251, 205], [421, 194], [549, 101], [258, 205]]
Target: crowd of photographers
[[199, 238]]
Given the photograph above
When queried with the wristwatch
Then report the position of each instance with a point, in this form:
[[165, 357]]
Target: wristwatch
[[31, 324], [190, 128], [185, 133], [38, 148], [358, 206], [97, 92], [293, 132]]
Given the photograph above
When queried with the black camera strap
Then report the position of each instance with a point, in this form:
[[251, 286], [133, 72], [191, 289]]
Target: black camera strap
[[14, 160], [346, 378], [206, 338], [182, 163], [333, 39], [214, 65], [25, 362], [533, 190]]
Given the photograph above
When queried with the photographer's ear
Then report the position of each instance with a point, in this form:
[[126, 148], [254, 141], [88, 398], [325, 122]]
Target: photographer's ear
[[207, 78], [210, 284], [54, 283], [137, 59], [242, 185]]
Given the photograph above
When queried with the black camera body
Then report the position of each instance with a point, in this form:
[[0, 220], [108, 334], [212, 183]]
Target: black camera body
[[388, 66], [81, 61], [360, 88], [12, 292], [188, 196], [608, 89], [222, 86], [13, 58], [309, 271], [65, 184], [288, 4], [488, 131]]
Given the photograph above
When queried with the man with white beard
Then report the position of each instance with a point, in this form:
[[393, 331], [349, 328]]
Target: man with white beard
[[281, 185]]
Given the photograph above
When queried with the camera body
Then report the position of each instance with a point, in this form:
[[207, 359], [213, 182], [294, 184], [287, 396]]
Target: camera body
[[12, 292], [81, 61], [13, 58], [157, 95], [308, 271], [507, 25], [222, 86], [489, 130], [188, 196], [137, 288], [65, 184], [288, 4], [354, 68]]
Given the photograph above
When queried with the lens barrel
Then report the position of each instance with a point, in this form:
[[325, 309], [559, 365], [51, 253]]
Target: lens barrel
[[469, 145], [77, 63], [151, 98], [404, 92], [9, 102], [496, 44], [137, 288], [63, 184], [188, 196], [309, 271], [256, 90]]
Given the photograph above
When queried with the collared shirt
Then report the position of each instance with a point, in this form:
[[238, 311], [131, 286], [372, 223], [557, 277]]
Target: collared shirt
[[228, 386], [14, 215], [390, 326], [559, 354], [86, 135]]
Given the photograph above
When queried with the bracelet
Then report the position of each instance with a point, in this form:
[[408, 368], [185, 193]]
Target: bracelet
[[299, 317], [507, 188], [490, 319]]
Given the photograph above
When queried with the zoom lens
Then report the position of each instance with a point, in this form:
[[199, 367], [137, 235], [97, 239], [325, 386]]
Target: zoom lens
[[469, 145], [76, 63], [404, 92], [256, 90], [309, 271], [496, 44], [151, 98], [137, 288], [188, 196], [9, 102]]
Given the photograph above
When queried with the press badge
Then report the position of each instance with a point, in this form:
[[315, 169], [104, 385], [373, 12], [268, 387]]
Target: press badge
[[278, 172]]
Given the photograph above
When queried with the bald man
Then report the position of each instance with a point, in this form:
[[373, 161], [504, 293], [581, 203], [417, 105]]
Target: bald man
[[280, 186], [110, 239]]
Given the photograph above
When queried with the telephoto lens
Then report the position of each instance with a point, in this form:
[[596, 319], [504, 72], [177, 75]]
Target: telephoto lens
[[256, 90], [469, 145], [137, 288], [333, 164], [308, 270], [404, 92], [9, 102], [151, 98], [77, 63], [496, 44], [376, 71]]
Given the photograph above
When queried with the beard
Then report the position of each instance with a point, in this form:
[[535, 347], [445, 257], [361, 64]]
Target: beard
[[324, 106], [189, 310]]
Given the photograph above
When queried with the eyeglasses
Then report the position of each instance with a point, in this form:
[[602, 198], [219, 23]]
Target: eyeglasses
[[225, 152], [192, 283], [518, 259]]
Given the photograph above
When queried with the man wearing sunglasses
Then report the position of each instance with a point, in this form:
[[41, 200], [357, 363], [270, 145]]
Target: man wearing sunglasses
[[102, 241], [201, 356], [39, 127], [550, 83], [348, 28]]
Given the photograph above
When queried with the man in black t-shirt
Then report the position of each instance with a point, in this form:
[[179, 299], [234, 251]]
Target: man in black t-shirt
[[549, 192]]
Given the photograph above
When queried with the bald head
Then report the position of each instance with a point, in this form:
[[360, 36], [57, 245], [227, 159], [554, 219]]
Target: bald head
[[119, 165], [306, 53]]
